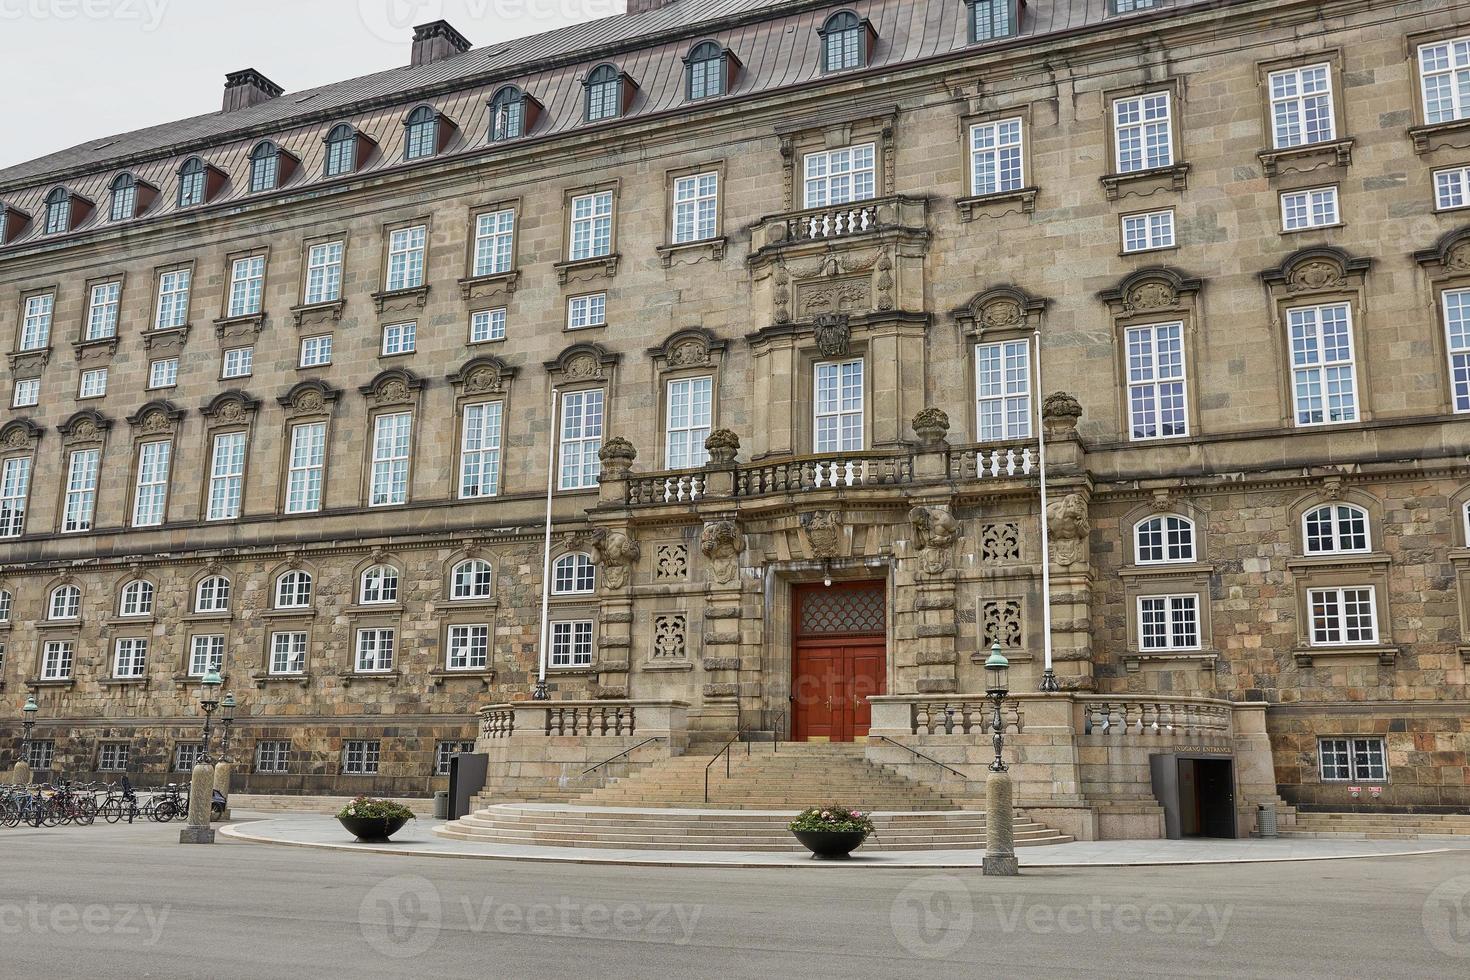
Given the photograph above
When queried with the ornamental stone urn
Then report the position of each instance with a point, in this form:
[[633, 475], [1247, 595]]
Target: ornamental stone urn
[[931, 426], [722, 446], [617, 455]]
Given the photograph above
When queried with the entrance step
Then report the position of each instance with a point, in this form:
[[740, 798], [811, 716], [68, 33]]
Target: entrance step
[[1380, 826]]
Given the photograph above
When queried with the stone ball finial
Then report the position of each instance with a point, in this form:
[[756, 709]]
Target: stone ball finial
[[1061, 407], [931, 425], [722, 446]]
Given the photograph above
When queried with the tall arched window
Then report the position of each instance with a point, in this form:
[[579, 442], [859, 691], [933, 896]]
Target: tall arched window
[[341, 150], [1164, 538], [573, 574], [58, 211], [471, 579], [379, 585], [293, 590], [1335, 529], [191, 183], [507, 114], [124, 197], [604, 93], [422, 138], [212, 595], [66, 603], [137, 599], [843, 44], [265, 167], [705, 71]]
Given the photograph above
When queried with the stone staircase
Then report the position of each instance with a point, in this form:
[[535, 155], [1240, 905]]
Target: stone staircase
[[1381, 826]]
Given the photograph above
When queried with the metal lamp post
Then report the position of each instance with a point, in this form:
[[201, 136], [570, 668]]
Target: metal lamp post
[[27, 723], [227, 721], [201, 783], [208, 701], [1000, 831]]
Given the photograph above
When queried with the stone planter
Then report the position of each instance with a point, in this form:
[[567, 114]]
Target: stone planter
[[831, 845], [372, 830]]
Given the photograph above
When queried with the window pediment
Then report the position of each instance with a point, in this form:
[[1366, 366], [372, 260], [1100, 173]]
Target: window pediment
[[157, 418], [230, 408], [1318, 270], [1001, 308], [20, 434], [692, 347], [309, 398], [1150, 292], [1449, 257], [583, 362], [396, 386], [483, 376], [88, 426]]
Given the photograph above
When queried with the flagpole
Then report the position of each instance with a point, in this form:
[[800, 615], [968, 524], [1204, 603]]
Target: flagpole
[[1048, 676], [542, 693]]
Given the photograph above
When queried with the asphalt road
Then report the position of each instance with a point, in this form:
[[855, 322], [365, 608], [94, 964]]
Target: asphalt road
[[131, 902]]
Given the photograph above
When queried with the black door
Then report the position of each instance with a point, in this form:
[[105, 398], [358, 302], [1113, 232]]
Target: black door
[[1215, 792]]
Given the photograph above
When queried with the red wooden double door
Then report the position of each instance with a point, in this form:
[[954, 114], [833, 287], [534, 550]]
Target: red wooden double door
[[840, 659]]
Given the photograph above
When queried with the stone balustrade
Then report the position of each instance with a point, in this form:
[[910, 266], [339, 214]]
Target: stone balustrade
[[993, 462], [671, 487], [1156, 717], [838, 470], [964, 716], [1111, 716], [585, 719], [837, 221]]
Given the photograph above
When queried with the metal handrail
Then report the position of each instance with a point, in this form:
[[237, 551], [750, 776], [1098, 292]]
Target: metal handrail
[[924, 757], [656, 738], [724, 751]]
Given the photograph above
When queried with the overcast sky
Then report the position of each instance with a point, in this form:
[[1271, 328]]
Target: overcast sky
[[77, 70]]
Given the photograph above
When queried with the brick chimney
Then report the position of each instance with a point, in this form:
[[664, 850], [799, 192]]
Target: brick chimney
[[643, 6], [437, 41], [247, 88]]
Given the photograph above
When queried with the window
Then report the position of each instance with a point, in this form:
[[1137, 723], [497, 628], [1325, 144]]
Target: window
[[212, 595], [239, 362], [360, 757], [93, 384], [40, 753], [27, 393], [316, 351], [173, 299], [226, 476], [288, 653], [137, 599], [581, 439], [842, 42], [102, 308], [587, 311], [1457, 329], [591, 225], [66, 603], [1128, 6], [1003, 390], [206, 653], [1145, 232], [293, 590], [423, 134], [696, 208], [1343, 617], [1164, 538], [247, 285], [1451, 188], [574, 575], [1168, 622], [399, 338], [113, 757], [445, 751], [479, 455], [840, 176], [494, 236], [130, 657], [1143, 133], [374, 650], [58, 212], [35, 331], [1301, 106], [487, 325], [472, 579], [273, 756], [265, 168], [688, 423], [1444, 69], [379, 585], [1316, 208], [406, 258], [6, 601], [56, 660], [571, 643], [341, 151], [604, 93], [705, 71], [1352, 759], [187, 755], [995, 157], [163, 373], [15, 483], [191, 184], [306, 468], [124, 197], [324, 273], [469, 647], [507, 114], [1156, 382], [838, 405], [1335, 529], [390, 459], [1324, 388], [991, 19]]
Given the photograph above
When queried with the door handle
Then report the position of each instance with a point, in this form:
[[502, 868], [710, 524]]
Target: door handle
[[829, 703]]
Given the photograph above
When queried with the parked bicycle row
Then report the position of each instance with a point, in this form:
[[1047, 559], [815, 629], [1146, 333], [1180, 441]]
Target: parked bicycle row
[[66, 802]]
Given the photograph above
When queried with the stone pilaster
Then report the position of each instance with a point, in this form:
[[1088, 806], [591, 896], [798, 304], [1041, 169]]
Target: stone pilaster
[[1069, 493]]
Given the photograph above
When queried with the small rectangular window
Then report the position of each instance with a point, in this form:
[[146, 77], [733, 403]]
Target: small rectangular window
[[445, 751], [1352, 760], [1324, 378], [494, 241], [1457, 331], [406, 248], [1168, 622], [316, 351], [479, 466], [581, 439], [273, 756], [571, 643], [40, 753], [399, 338], [1301, 106], [1343, 617], [56, 660], [391, 435], [591, 226], [1128, 6], [487, 325], [191, 189], [35, 330], [360, 758], [1444, 72], [696, 208], [1451, 188], [375, 650], [469, 647], [247, 285], [1316, 208], [27, 393], [238, 362], [102, 310], [113, 757], [587, 311], [995, 157], [840, 176], [187, 756], [163, 373], [288, 653], [124, 201], [1143, 132], [93, 383], [1146, 232], [130, 658], [206, 653], [324, 273], [992, 19], [173, 299], [1156, 397]]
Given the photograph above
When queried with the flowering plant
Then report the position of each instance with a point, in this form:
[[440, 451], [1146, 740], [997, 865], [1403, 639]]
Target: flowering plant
[[370, 809], [843, 819]]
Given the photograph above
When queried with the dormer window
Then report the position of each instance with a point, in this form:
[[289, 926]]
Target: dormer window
[[58, 212], [341, 151], [12, 223], [124, 197], [265, 168], [709, 69], [513, 114], [991, 20], [422, 139], [193, 183], [608, 93], [847, 41]]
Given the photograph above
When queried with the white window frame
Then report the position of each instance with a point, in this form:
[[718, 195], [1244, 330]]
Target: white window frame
[[93, 383], [581, 426], [378, 585], [1456, 305], [472, 580], [137, 599], [587, 310], [1156, 379], [113, 757], [226, 476], [163, 373], [1308, 323], [1148, 231], [306, 468], [574, 574], [58, 657], [1298, 97], [238, 362], [361, 757], [1137, 122], [1310, 207], [1175, 610], [26, 394], [294, 589], [495, 242], [842, 176], [400, 338], [15, 488], [1452, 188], [488, 325], [467, 646], [64, 604], [247, 285], [591, 226], [215, 598], [1344, 522], [316, 351], [103, 304], [445, 751], [696, 215], [1360, 759], [273, 756], [997, 156], [1173, 541], [35, 328], [130, 658], [1003, 391], [571, 644], [324, 273], [480, 449], [187, 755], [407, 249], [375, 649], [391, 463], [206, 652], [1327, 616], [839, 424], [173, 299], [150, 493], [288, 653], [688, 421], [1446, 61]]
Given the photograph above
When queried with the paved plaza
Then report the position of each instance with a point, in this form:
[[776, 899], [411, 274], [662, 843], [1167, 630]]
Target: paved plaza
[[130, 901]]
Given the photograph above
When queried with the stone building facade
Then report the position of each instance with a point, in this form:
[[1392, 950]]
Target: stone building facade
[[781, 292]]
